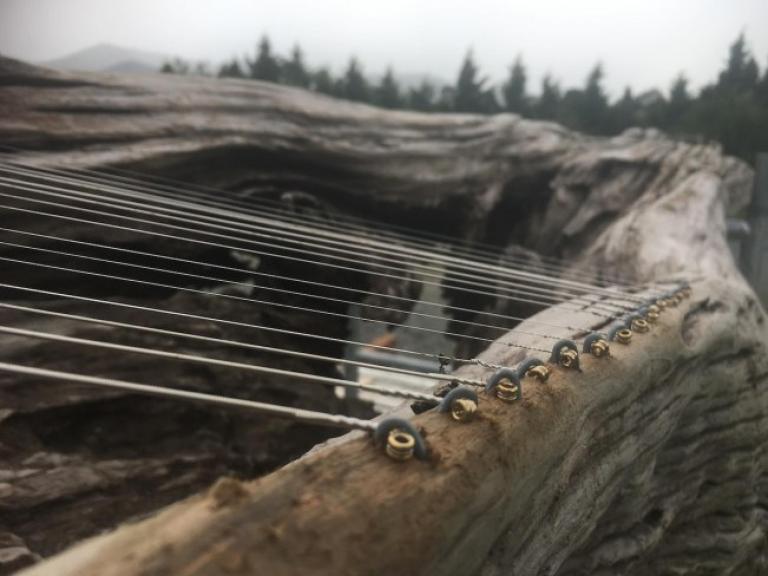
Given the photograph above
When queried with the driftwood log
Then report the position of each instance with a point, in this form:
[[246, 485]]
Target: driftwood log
[[648, 462]]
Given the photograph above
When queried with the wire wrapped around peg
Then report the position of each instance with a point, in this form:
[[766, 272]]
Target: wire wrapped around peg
[[596, 344], [460, 403], [533, 368], [505, 385], [565, 353], [401, 440]]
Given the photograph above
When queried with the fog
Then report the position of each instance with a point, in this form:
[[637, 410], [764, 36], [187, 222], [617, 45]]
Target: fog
[[642, 44]]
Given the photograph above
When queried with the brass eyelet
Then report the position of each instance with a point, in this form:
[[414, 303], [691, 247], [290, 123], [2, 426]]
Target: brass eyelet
[[463, 409], [540, 372], [599, 348], [624, 336], [568, 358], [400, 445], [507, 390]]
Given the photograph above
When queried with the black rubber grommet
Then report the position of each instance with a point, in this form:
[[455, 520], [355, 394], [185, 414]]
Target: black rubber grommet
[[527, 365], [386, 426], [590, 339], [558, 347], [500, 375], [455, 394]]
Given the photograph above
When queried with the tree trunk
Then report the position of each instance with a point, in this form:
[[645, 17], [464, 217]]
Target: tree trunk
[[650, 461]]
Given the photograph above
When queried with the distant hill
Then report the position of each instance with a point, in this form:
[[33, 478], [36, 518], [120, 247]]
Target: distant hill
[[132, 67], [109, 58]]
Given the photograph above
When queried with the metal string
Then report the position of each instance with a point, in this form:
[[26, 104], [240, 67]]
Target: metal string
[[330, 241], [188, 189], [532, 278], [193, 358], [189, 357], [547, 295], [262, 287], [537, 291], [298, 414], [248, 325], [248, 271], [206, 198], [257, 301], [544, 301], [240, 344]]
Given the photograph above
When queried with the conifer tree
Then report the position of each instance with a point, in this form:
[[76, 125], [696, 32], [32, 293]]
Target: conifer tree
[[548, 105], [741, 72], [623, 113], [513, 90], [762, 88], [422, 98], [470, 94], [231, 69], [593, 108], [294, 72], [679, 101], [175, 66], [388, 91], [323, 82], [265, 66], [355, 85]]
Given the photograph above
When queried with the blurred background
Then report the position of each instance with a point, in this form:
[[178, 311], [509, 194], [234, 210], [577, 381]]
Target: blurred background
[[695, 69]]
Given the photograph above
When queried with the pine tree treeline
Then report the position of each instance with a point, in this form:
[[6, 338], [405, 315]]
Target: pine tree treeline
[[732, 110]]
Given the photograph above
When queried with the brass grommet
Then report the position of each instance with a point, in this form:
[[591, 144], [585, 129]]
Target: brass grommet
[[654, 308], [640, 325], [624, 336], [463, 409], [599, 348], [568, 357], [507, 390], [652, 317], [541, 372], [661, 303], [400, 445]]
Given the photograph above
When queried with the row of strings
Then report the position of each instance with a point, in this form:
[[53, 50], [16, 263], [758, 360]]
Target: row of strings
[[272, 242]]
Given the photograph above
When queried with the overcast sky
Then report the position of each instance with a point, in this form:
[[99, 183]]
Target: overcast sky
[[642, 43]]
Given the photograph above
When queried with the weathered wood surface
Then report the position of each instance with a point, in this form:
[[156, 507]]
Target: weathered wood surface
[[649, 462]]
